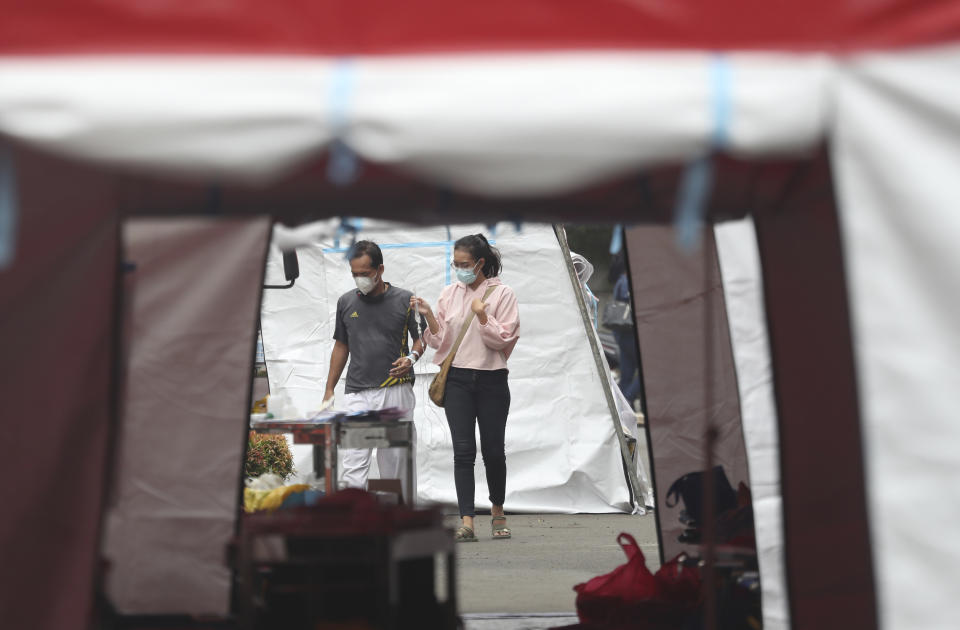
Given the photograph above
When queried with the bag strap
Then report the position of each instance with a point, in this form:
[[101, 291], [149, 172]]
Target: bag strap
[[675, 489], [629, 545], [463, 331]]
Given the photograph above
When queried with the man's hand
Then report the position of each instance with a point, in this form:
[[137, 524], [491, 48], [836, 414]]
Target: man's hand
[[401, 366], [327, 399]]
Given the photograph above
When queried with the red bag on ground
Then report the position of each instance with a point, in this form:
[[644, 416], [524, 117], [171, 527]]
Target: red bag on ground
[[677, 583], [603, 601], [632, 598]]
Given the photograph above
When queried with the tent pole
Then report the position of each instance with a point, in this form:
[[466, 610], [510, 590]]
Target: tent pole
[[628, 463]]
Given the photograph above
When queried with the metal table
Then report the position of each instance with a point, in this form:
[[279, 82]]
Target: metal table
[[391, 574], [329, 435]]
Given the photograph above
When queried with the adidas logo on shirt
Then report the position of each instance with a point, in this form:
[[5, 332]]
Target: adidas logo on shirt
[[355, 314]]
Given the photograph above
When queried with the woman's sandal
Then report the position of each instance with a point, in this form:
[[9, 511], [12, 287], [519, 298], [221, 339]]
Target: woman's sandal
[[464, 534], [501, 531]]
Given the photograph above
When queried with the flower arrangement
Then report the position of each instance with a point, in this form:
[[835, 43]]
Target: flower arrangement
[[268, 454]]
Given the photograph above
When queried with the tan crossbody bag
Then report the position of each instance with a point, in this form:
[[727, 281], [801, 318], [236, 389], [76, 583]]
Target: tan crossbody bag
[[438, 387]]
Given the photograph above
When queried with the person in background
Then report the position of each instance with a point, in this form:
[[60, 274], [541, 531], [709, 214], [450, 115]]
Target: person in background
[[628, 417], [627, 342], [373, 326], [584, 271], [477, 391]]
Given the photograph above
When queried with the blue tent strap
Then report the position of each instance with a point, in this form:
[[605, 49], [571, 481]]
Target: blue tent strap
[[720, 80], [343, 167], [691, 206], [351, 226], [8, 208], [697, 181], [616, 239], [447, 269]]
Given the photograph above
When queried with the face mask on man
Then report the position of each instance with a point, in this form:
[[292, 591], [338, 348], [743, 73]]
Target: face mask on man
[[467, 276], [365, 284]]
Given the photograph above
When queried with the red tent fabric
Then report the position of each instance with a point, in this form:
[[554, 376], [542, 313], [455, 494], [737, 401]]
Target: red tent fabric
[[429, 26], [58, 333]]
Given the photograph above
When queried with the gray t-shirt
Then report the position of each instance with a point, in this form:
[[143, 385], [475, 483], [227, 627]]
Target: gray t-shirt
[[376, 330]]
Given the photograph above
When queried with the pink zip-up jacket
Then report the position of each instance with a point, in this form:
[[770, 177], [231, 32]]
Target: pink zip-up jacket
[[484, 347]]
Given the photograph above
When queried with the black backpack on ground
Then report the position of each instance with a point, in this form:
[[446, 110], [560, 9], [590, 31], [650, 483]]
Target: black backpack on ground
[[689, 489]]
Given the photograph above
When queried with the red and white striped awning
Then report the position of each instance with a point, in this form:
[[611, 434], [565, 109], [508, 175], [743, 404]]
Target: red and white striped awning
[[502, 98], [538, 97]]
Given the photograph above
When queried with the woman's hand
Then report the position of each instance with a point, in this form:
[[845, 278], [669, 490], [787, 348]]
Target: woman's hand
[[420, 306], [480, 308], [424, 309]]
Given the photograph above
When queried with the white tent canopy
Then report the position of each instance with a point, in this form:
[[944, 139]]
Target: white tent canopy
[[489, 123]]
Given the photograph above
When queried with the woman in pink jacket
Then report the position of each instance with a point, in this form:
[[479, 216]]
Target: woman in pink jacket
[[477, 390]]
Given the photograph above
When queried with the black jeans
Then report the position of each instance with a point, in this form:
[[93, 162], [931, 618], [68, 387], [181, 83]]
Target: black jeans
[[472, 397]]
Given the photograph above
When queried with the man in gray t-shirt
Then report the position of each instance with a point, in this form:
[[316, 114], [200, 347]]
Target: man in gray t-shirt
[[376, 331], [374, 328]]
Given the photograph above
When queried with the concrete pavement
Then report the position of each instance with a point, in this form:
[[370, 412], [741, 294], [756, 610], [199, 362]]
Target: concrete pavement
[[535, 571]]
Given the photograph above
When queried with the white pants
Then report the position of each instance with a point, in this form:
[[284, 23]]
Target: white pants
[[392, 462]]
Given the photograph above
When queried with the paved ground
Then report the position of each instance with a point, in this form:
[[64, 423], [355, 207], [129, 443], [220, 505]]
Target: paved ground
[[526, 583], [536, 570], [506, 621]]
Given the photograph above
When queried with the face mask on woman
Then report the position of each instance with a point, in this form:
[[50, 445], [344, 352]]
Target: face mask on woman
[[365, 284], [467, 276]]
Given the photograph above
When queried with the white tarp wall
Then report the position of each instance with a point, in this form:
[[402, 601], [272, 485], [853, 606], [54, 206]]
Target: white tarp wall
[[896, 158], [743, 294], [562, 450]]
